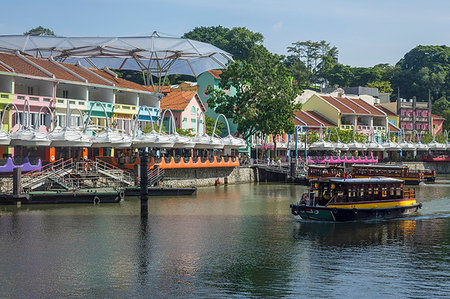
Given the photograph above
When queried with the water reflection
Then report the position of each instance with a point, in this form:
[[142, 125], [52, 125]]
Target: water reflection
[[227, 241]]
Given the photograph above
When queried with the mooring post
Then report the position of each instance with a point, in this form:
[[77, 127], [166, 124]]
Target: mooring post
[[17, 184], [144, 184]]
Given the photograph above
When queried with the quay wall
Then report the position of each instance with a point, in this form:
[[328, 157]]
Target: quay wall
[[442, 167], [201, 177]]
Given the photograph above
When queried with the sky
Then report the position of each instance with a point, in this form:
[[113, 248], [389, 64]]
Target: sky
[[366, 32]]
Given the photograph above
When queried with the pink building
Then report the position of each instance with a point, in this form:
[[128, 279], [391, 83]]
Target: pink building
[[185, 106], [438, 123]]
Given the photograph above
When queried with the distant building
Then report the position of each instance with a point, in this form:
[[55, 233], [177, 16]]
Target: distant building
[[185, 106], [414, 115], [213, 78], [185, 86], [348, 113], [438, 124], [360, 91]]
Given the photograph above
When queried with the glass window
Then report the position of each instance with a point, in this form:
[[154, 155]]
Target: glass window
[[193, 124], [193, 111], [185, 123]]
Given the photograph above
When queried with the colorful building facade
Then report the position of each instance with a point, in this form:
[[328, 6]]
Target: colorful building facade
[[44, 87]]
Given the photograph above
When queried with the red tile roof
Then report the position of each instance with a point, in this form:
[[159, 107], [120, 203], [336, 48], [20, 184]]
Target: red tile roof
[[352, 105], [393, 128], [119, 82], [20, 66], [215, 73], [311, 119], [385, 110], [56, 70], [367, 107], [91, 78], [338, 104], [177, 100], [4, 69]]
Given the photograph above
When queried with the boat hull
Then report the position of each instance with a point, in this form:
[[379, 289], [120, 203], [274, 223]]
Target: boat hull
[[346, 214]]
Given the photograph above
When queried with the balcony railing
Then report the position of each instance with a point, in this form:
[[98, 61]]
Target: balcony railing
[[347, 127], [125, 109], [379, 128], [98, 108], [363, 127], [32, 99], [74, 103], [5, 98]]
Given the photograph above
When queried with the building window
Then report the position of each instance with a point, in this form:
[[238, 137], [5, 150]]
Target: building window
[[185, 123], [193, 124], [65, 94], [30, 90], [193, 111]]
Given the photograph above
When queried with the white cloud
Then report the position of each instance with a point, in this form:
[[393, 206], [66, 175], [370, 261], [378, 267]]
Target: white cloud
[[277, 26]]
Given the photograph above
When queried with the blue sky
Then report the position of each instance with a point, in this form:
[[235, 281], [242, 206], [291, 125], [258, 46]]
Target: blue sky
[[366, 32]]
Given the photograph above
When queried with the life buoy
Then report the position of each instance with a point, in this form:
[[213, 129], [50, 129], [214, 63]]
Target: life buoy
[[96, 200], [335, 210], [52, 158], [121, 194]]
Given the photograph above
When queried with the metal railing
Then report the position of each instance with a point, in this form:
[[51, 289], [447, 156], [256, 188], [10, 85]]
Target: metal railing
[[105, 169], [155, 175], [58, 172]]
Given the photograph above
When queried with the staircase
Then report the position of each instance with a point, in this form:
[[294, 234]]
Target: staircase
[[106, 170], [57, 172]]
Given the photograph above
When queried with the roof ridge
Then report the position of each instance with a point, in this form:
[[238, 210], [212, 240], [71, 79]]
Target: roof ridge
[[314, 118], [94, 73], [67, 70], [343, 104], [35, 65], [7, 66], [358, 104]]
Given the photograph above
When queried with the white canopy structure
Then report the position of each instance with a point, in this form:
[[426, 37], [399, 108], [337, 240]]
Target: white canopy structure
[[153, 55], [27, 134], [67, 136]]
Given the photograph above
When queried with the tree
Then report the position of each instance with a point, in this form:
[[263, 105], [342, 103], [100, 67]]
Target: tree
[[312, 54], [383, 86], [264, 100], [40, 31], [237, 41], [423, 71], [209, 124], [440, 106]]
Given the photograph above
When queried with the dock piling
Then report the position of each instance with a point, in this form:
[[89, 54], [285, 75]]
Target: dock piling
[[144, 184]]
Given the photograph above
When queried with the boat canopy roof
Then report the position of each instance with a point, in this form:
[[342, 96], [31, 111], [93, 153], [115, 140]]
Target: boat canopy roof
[[325, 166], [374, 180], [381, 166]]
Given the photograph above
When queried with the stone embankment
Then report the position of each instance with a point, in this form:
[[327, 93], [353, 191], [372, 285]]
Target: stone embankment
[[440, 167], [200, 177]]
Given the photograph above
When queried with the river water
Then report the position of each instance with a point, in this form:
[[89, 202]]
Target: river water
[[228, 241]]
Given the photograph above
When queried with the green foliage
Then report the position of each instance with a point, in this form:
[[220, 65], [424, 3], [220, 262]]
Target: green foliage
[[148, 128], [440, 106], [187, 132], [39, 31], [265, 103], [423, 71], [316, 56], [237, 41], [210, 126], [383, 86], [428, 137]]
